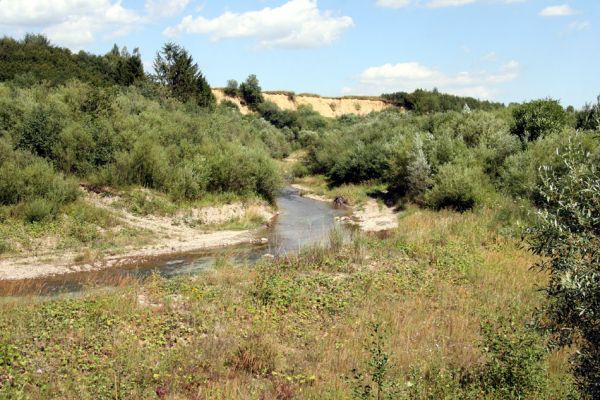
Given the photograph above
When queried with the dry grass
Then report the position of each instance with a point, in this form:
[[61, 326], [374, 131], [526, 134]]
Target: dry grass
[[293, 328]]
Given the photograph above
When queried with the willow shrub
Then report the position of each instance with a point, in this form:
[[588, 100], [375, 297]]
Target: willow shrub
[[458, 187]]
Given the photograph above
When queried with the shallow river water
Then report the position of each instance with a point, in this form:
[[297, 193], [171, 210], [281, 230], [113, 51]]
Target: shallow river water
[[301, 222]]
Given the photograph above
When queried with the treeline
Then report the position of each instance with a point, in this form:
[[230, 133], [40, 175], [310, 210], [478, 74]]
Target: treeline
[[34, 59], [424, 102], [448, 160], [292, 122]]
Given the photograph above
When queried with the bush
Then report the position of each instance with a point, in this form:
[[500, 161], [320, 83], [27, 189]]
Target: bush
[[25, 178], [537, 119], [457, 187], [361, 163], [567, 236], [38, 210], [40, 130], [514, 365]]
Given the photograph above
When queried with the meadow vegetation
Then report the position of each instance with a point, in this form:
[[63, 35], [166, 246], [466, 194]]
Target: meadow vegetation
[[446, 306]]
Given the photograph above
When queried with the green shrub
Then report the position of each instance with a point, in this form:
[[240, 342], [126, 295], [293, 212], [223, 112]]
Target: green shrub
[[5, 247], [566, 236], [190, 179], [537, 119], [40, 131], [457, 187], [514, 365], [361, 163], [38, 210], [299, 170]]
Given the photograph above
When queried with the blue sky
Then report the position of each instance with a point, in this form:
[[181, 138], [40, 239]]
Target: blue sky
[[505, 50]]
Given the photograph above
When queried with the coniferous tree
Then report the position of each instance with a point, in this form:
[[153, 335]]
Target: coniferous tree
[[176, 69]]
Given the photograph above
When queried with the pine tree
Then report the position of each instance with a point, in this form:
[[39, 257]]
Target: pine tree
[[176, 69]]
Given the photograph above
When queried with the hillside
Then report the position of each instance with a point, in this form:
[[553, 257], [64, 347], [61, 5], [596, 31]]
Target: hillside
[[326, 106]]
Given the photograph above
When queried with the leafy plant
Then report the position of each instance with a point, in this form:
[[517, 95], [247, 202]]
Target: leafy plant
[[567, 235], [374, 383]]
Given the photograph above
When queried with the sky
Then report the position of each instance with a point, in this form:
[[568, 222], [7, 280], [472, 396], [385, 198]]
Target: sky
[[501, 50]]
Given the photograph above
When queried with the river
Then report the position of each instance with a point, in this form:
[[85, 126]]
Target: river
[[301, 222]]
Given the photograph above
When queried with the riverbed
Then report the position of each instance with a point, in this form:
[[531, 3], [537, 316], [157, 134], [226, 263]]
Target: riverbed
[[301, 222]]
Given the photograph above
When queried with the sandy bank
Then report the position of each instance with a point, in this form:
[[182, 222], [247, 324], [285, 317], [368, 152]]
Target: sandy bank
[[371, 217], [331, 107], [170, 237]]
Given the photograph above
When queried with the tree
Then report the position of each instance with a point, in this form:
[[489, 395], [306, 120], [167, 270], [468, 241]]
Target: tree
[[232, 89], [567, 235], [537, 119], [589, 117], [251, 92], [176, 69], [127, 68]]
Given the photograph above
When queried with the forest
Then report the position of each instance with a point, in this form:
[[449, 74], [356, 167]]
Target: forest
[[496, 256]]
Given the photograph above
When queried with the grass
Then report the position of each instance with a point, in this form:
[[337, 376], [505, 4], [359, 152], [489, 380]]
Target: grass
[[294, 328], [355, 194], [88, 228]]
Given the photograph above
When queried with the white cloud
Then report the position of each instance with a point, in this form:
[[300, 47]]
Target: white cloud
[[393, 3], [558, 11], [413, 75], [165, 8], [438, 3], [579, 26], [448, 3], [73, 23], [295, 24]]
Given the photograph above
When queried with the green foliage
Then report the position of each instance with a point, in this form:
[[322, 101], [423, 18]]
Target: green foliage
[[361, 163], [423, 102], [126, 68], [232, 89], [176, 69], [458, 187], [42, 61], [27, 178], [38, 210], [375, 383], [251, 92], [514, 361], [279, 118], [589, 117], [40, 131], [567, 234], [537, 119]]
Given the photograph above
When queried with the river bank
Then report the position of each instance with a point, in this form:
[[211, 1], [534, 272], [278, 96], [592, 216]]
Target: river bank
[[370, 216], [192, 230]]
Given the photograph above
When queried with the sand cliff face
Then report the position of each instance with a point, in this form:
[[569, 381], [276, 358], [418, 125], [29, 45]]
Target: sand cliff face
[[326, 106]]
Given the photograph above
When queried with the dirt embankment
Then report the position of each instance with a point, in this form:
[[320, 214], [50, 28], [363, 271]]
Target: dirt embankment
[[326, 106], [170, 237]]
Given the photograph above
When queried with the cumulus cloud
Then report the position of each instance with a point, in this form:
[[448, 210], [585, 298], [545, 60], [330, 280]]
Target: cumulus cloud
[[558, 11], [73, 23], [295, 24], [409, 76]]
